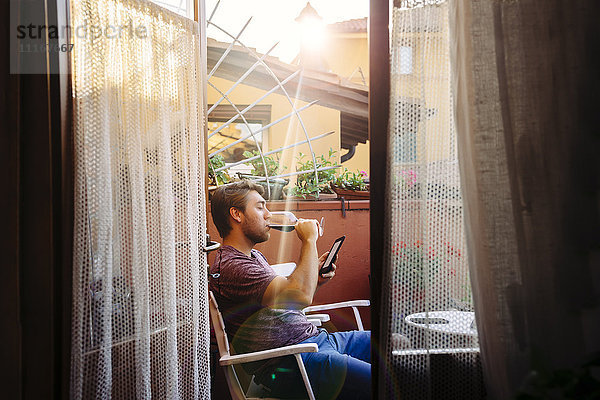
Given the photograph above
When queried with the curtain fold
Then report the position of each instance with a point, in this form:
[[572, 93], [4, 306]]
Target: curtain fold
[[524, 76], [140, 316]]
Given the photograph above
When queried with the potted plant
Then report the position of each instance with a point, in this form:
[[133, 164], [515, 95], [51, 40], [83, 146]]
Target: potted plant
[[217, 178], [306, 186], [406, 183], [413, 267], [351, 185], [273, 167]]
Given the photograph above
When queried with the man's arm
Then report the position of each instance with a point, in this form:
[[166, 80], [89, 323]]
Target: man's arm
[[297, 290]]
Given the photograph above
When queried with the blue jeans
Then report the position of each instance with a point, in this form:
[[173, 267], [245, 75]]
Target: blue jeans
[[341, 369]]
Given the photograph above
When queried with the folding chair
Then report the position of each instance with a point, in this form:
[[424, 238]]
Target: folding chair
[[228, 360]]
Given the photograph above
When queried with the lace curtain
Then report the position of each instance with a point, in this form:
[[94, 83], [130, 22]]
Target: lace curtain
[[432, 349], [140, 313]]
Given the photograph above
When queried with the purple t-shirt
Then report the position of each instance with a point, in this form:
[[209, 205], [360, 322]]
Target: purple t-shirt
[[239, 289]]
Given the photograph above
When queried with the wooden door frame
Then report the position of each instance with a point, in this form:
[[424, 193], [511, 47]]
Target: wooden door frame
[[37, 155], [379, 94]]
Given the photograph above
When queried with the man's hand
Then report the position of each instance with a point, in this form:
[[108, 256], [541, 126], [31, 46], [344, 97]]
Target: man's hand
[[325, 277], [307, 230]]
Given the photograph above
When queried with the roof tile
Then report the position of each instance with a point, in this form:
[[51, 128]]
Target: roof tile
[[350, 26]]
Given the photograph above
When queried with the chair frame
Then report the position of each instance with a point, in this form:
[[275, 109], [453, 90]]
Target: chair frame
[[354, 304], [228, 360]]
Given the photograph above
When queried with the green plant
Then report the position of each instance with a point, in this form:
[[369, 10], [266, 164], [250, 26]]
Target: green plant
[[217, 178], [306, 184], [351, 180], [415, 265], [273, 165]]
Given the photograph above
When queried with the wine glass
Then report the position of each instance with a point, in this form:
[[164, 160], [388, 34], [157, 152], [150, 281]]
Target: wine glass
[[285, 221]]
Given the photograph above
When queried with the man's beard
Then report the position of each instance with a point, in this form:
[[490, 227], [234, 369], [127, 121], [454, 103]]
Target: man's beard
[[255, 234]]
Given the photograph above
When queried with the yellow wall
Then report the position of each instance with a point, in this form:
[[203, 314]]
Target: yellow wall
[[317, 120], [431, 70], [360, 160], [345, 52]]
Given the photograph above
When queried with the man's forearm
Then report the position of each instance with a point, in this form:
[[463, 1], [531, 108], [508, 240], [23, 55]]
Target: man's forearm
[[297, 290], [305, 277]]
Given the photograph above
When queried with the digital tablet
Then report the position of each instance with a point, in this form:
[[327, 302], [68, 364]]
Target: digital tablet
[[335, 248]]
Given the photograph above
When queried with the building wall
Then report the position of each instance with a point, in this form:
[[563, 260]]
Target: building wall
[[344, 53], [316, 119], [360, 160]]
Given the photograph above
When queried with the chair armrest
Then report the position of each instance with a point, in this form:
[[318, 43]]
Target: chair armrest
[[342, 304], [271, 353], [284, 269], [352, 303], [319, 317]]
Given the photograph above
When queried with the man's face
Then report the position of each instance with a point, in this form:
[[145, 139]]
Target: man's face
[[256, 218]]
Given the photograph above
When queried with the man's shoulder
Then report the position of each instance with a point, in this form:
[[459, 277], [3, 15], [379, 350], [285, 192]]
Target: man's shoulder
[[240, 275], [233, 258], [258, 255], [231, 252]]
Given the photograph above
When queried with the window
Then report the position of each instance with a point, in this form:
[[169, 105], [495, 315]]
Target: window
[[403, 60], [181, 7], [229, 133]]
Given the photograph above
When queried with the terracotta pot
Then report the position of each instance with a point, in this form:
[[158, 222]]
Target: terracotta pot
[[299, 198], [327, 196], [309, 197], [351, 194]]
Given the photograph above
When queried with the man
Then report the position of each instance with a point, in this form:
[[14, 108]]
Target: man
[[262, 310]]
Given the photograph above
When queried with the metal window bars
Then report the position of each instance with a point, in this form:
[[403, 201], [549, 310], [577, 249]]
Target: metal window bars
[[239, 114]]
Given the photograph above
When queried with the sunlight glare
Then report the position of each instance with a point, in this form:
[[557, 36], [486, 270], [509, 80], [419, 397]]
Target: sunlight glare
[[312, 34], [274, 21]]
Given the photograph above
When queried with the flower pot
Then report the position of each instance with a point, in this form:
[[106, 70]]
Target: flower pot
[[276, 186], [299, 198], [351, 194], [327, 196]]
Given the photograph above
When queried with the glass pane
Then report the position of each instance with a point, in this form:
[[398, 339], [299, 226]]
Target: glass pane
[[181, 7], [231, 134]]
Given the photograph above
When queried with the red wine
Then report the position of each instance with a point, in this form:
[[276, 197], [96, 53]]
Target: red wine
[[283, 228]]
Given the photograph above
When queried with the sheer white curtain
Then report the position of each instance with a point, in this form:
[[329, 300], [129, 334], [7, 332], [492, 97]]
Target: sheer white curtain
[[526, 84], [432, 349], [140, 313]]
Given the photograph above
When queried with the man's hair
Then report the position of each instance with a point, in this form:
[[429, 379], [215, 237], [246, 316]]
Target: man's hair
[[231, 195]]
